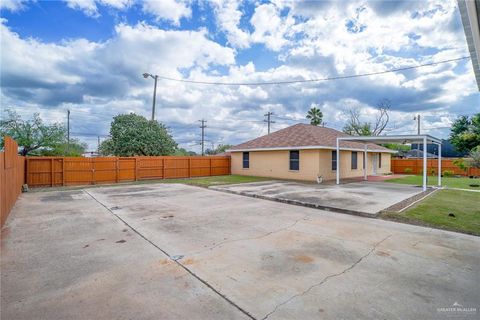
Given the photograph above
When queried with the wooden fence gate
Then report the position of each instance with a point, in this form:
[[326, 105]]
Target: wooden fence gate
[[66, 171]]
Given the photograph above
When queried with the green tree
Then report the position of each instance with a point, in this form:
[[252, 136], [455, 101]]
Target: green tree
[[134, 135], [475, 157], [221, 148], [73, 149], [32, 135], [315, 116], [465, 133], [106, 147], [184, 152]]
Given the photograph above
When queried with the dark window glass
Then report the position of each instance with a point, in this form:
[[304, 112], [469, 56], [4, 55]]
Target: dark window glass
[[294, 160], [379, 160], [364, 162], [246, 160], [354, 160], [334, 160]]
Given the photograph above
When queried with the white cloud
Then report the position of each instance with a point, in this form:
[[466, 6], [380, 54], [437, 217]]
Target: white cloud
[[270, 28], [99, 79], [171, 10], [87, 6], [13, 5], [228, 18]]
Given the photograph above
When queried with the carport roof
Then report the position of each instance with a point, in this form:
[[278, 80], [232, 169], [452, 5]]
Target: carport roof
[[395, 138]]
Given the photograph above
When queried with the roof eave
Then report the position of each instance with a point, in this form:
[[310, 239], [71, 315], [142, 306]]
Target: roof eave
[[470, 13]]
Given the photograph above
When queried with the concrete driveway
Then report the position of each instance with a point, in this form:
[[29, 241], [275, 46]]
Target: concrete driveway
[[170, 251], [362, 198]]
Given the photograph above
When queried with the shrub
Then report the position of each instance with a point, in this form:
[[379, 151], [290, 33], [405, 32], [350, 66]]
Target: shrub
[[432, 172], [408, 170], [448, 173]]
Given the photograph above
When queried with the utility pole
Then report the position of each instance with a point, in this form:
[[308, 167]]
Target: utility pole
[[98, 144], [68, 130], [203, 126], [155, 77], [154, 97], [417, 117], [268, 115]]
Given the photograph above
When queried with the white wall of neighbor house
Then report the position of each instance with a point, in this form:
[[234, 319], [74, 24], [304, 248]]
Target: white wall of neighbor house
[[275, 164]]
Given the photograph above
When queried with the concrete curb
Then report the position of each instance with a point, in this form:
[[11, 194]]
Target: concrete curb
[[299, 203]]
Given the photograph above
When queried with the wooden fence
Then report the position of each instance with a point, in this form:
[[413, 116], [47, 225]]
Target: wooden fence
[[12, 176], [416, 167], [66, 171]]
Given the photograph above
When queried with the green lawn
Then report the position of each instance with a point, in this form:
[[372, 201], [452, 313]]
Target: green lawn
[[434, 211], [215, 180], [451, 182], [200, 181]]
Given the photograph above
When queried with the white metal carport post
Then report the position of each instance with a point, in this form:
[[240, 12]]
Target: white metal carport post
[[439, 164], [425, 163], [365, 168], [337, 162]]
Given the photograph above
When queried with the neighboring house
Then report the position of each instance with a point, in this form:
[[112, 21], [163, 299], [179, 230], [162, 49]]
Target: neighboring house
[[416, 153], [303, 152], [448, 149]]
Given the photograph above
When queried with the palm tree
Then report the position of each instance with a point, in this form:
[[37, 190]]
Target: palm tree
[[315, 116]]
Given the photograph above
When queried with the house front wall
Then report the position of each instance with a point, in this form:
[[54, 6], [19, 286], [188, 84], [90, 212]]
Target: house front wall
[[313, 163]]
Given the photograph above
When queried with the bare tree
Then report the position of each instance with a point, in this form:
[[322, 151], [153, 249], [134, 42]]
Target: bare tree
[[356, 127], [382, 117]]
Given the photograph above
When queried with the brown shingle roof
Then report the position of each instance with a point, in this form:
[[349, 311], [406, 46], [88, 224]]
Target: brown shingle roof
[[304, 135]]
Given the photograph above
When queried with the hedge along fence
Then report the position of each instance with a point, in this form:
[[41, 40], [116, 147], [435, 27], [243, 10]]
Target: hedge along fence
[[12, 177], [67, 171], [416, 167]]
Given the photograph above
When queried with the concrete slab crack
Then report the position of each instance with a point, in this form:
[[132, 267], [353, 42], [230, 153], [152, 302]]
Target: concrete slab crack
[[327, 278], [176, 260], [305, 217]]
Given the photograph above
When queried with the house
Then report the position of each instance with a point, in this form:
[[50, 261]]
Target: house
[[305, 152], [416, 153]]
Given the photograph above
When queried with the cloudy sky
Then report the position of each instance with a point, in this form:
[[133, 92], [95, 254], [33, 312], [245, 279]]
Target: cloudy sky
[[88, 56]]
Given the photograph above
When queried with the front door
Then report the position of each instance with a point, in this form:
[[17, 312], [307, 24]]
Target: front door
[[374, 163]]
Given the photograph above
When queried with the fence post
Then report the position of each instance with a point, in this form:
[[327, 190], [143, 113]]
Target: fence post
[[189, 167], [210, 166], [63, 171], [116, 169], [92, 160], [51, 172], [136, 169], [163, 168]]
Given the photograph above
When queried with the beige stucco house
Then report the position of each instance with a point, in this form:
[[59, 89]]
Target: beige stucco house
[[305, 152]]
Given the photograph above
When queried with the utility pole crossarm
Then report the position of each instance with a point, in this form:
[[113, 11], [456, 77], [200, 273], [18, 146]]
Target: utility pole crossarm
[[269, 121]]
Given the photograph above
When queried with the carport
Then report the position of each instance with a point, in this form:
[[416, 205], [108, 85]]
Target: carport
[[402, 139]]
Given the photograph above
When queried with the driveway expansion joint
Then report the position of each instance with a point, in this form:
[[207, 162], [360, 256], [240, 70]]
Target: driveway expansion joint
[[176, 260], [327, 278]]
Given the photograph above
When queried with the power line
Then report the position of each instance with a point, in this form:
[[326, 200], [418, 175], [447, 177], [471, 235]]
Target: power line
[[312, 80]]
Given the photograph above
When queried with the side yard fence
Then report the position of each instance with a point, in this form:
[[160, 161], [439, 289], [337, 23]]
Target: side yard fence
[[67, 171], [416, 167], [12, 176]]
